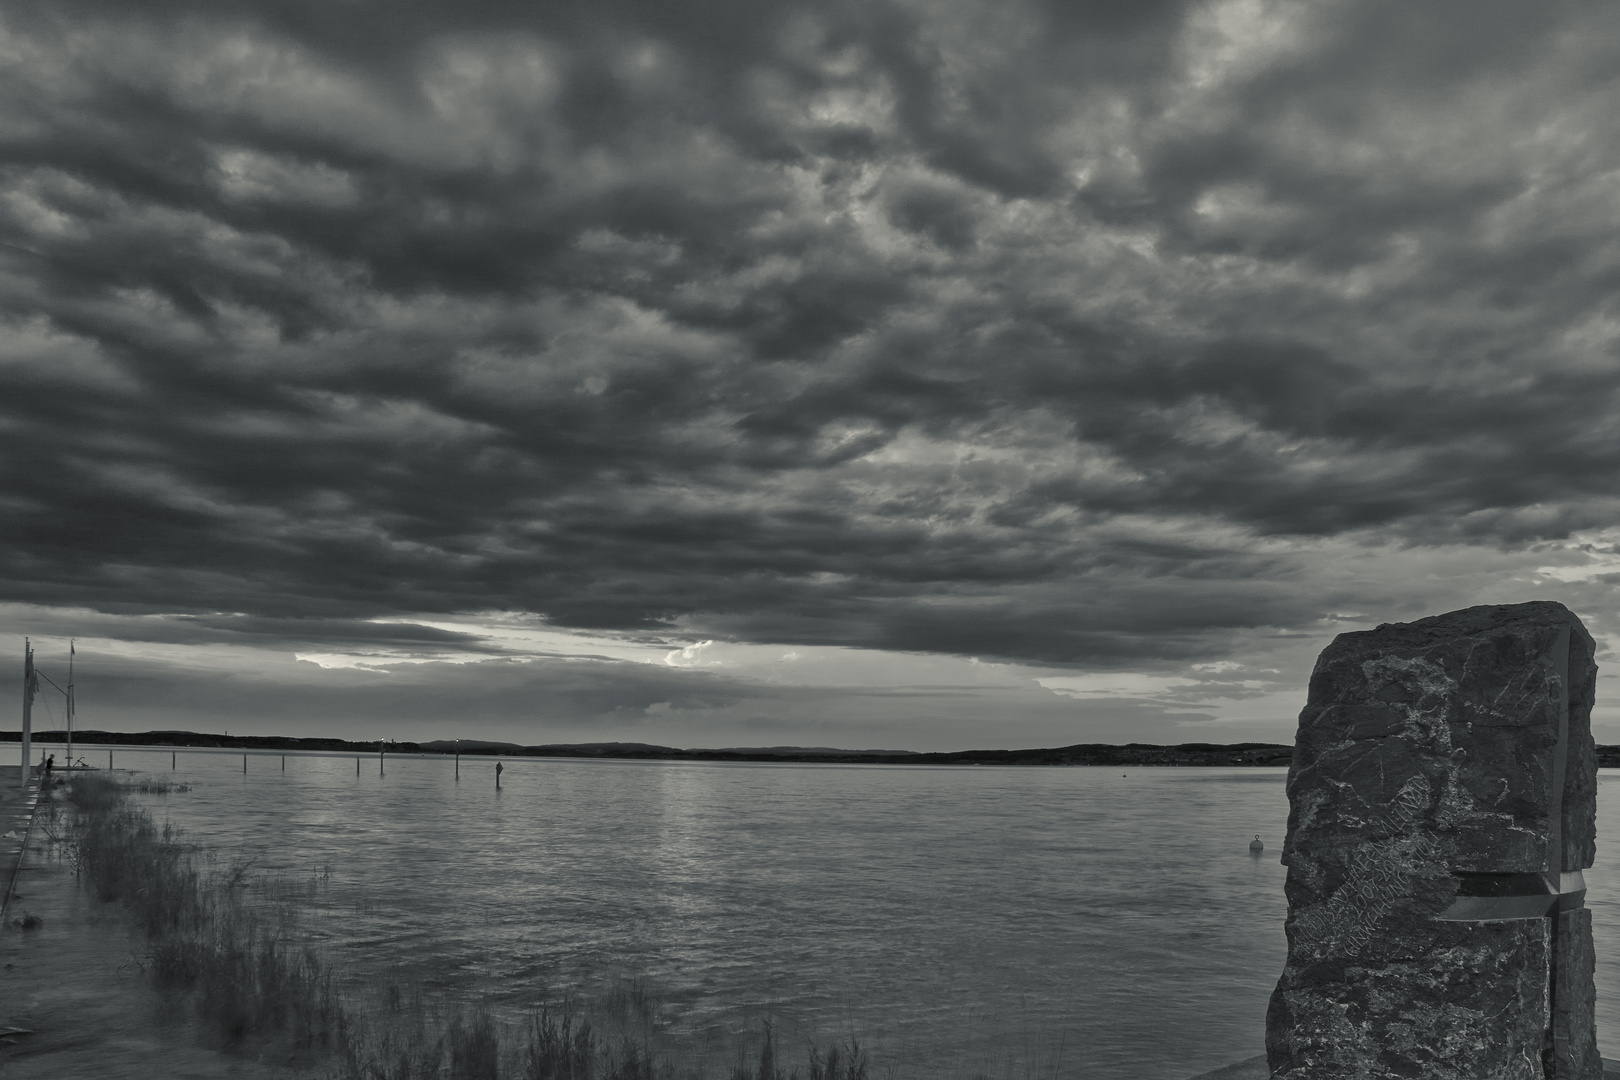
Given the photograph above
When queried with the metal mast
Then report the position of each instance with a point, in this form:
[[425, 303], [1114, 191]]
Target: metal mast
[[30, 688], [69, 761]]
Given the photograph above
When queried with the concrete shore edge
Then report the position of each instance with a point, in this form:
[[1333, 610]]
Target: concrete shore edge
[[17, 803]]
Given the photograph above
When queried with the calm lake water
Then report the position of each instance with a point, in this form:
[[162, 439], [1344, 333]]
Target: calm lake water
[[1073, 922]]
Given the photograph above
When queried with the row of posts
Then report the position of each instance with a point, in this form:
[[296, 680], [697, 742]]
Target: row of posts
[[174, 760]]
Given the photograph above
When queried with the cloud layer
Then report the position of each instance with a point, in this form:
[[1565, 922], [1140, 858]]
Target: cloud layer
[[1078, 336]]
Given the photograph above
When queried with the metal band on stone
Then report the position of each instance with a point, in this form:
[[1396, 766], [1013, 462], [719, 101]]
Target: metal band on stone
[[1499, 897], [1571, 890]]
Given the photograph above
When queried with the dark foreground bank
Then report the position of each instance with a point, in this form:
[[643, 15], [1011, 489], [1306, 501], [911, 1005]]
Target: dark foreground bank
[[1255, 1069]]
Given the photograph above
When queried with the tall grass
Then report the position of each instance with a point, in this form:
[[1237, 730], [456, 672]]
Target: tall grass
[[255, 983], [245, 975], [558, 1047], [124, 856], [837, 1062]]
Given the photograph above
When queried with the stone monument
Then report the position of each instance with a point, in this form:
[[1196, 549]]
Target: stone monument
[[1441, 809]]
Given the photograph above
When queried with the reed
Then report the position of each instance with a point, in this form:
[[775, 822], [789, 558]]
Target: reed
[[558, 1048], [836, 1062], [569, 1042], [245, 975], [475, 1048], [124, 856], [147, 785]]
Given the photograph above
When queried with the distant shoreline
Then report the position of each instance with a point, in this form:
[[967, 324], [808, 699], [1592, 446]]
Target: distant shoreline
[[1182, 754], [1081, 754]]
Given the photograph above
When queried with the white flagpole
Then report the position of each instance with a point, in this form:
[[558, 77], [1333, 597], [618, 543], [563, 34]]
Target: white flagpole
[[30, 687], [69, 762]]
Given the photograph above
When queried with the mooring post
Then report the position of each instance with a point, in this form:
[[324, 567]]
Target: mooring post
[[357, 766], [244, 764], [109, 761], [174, 757], [1442, 803], [283, 762], [458, 764], [497, 776]]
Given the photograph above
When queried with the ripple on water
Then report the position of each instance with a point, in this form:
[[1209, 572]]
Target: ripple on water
[[951, 918]]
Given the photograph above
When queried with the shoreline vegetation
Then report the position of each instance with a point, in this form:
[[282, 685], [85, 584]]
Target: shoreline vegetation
[[228, 947]]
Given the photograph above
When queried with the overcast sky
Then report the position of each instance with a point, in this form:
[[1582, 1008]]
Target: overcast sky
[[880, 374]]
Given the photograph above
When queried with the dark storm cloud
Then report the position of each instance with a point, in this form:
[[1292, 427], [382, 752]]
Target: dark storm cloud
[[222, 629], [996, 329], [545, 693]]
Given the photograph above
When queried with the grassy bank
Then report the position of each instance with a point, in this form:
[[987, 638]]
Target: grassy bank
[[228, 945]]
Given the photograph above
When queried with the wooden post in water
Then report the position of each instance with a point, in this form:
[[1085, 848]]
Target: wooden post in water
[[458, 764], [283, 762], [244, 764], [357, 766], [380, 758], [109, 761], [174, 757], [497, 776]]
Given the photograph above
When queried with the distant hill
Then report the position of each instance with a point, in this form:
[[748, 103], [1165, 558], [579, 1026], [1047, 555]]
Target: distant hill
[[1079, 754], [1083, 754], [780, 751], [469, 746], [204, 739]]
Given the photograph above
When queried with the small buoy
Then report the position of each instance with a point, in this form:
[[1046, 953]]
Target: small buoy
[[1255, 845]]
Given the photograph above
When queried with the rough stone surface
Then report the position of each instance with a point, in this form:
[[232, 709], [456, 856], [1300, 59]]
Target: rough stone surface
[[1425, 749], [1580, 783], [1574, 1020]]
